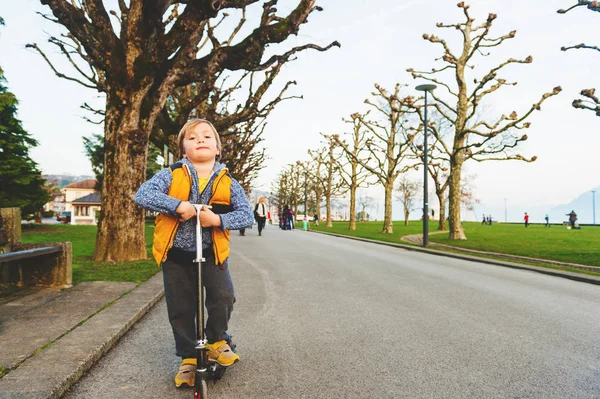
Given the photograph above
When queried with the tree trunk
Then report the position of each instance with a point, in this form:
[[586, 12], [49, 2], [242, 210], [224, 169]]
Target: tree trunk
[[387, 219], [318, 204], [456, 230], [442, 211], [121, 234], [406, 215], [328, 210], [352, 225]]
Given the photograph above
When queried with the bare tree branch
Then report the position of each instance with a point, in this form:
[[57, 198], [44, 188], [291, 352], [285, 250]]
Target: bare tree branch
[[59, 74], [592, 102]]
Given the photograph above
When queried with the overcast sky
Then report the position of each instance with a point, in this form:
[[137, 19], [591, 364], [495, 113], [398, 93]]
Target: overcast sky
[[378, 44]]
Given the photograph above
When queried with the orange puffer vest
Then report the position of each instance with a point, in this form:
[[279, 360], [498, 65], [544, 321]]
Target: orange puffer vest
[[166, 225]]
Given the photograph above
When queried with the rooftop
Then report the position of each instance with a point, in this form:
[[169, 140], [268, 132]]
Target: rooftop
[[87, 184]]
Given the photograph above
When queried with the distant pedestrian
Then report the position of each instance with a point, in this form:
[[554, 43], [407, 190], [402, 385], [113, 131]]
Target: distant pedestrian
[[287, 220], [526, 219], [316, 219], [572, 218], [547, 219], [292, 220], [489, 219], [260, 214], [484, 221]]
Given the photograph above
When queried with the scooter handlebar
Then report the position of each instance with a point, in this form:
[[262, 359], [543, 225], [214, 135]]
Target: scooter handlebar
[[200, 206]]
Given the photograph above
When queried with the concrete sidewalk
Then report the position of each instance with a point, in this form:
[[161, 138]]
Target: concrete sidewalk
[[51, 337]]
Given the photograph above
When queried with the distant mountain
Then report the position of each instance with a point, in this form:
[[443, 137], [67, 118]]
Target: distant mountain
[[583, 207]]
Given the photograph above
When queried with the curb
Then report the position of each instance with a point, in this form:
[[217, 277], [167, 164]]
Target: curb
[[557, 273], [54, 370]]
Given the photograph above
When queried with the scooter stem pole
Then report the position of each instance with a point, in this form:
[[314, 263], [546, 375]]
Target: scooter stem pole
[[201, 355]]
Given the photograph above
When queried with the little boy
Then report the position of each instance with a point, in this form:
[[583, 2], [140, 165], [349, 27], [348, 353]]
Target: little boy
[[196, 179]]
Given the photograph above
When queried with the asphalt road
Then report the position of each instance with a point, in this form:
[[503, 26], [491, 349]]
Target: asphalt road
[[325, 317]]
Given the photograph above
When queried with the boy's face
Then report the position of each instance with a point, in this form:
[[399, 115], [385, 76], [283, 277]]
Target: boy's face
[[200, 144]]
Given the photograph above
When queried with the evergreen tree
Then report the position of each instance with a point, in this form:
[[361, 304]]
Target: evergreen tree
[[21, 182]]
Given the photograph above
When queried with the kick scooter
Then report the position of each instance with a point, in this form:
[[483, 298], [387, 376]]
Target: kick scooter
[[205, 370]]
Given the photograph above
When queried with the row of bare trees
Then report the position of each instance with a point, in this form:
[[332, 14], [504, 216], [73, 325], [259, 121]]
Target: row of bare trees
[[387, 140], [161, 62]]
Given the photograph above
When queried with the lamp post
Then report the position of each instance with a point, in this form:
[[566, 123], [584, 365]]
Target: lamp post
[[426, 88], [594, 206]]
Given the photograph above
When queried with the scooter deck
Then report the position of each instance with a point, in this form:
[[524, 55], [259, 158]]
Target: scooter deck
[[216, 371]]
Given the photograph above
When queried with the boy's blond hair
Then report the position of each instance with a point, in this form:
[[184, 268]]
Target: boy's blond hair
[[189, 125]]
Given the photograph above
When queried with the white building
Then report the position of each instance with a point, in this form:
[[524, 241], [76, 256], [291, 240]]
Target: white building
[[83, 201], [85, 209]]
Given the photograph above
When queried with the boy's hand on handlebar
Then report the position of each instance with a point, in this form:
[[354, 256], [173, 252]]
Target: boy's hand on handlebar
[[186, 211], [208, 218]]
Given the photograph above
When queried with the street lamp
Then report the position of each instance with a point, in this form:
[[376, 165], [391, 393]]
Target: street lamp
[[594, 206], [426, 88]]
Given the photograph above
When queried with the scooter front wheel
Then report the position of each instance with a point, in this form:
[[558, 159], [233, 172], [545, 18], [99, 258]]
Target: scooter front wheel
[[201, 390]]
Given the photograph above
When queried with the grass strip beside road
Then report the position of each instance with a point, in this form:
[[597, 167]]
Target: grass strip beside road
[[83, 239], [554, 243], [372, 230]]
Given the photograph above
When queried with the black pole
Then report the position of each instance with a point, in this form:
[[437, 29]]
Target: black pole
[[426, 88], [594, 206], [425, 171]]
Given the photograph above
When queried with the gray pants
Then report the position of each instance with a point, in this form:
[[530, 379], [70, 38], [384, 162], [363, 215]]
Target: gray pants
[[181, 280]]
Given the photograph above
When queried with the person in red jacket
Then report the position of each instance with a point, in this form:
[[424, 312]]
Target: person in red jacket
[[526, 218]]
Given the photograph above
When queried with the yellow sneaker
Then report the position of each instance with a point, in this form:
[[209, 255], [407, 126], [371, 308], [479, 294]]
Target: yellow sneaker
[[221, 353], [187, 372]]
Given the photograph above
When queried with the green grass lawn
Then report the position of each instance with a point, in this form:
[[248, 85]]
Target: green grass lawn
[[536, 241], [554, 243], [372, 230], [83, 239]]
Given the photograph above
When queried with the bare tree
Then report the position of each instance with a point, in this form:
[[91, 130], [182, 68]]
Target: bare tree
[[240, 154], [291, 183], [484, 140], [408, 193], [355, 175], [467, 193], [389, 144], [590, 101], [332, 181], [439, 161], [137, 60], [316, 173], [364, 201]]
